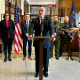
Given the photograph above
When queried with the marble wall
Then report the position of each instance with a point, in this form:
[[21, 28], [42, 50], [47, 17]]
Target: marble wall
[[2, 8]]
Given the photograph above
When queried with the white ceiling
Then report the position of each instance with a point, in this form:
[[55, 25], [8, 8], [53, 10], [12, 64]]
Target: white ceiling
[[41, 2]]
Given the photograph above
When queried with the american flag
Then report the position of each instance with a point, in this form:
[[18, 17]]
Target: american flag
[[18, 40]]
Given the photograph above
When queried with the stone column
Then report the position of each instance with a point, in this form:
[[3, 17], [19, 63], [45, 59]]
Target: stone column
[[2, 8], [22, 7]]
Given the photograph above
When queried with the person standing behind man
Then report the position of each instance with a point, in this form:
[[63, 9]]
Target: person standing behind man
[[43, 27], [65, 38], [0, 40], [7, 30], [25, 25], [57, 31]]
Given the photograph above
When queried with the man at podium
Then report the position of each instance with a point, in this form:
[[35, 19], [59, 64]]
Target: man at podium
[[43, 27]]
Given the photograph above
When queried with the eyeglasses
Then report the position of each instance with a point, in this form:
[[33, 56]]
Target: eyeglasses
[[41, 10], [6, 15], [55, 17]]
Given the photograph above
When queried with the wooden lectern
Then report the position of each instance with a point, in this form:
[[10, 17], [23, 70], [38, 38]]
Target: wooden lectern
[[41, 38]]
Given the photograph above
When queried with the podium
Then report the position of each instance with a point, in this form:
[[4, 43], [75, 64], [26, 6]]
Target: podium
[[41, 39]]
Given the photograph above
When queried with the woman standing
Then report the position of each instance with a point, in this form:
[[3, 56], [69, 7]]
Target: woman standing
[[7, 30]]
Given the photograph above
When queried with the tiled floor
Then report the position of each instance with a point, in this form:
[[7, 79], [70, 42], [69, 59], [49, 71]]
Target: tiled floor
[[18, 69]]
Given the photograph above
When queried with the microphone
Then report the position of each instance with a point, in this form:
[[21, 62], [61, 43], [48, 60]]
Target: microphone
[[79, 26], [42, 30]]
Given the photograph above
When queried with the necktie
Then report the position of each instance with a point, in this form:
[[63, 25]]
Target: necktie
[[54, 26], [41, 22], [27, 27], [41, 26]]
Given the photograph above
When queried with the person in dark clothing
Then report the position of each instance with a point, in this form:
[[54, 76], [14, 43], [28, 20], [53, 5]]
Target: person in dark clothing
[[43, 27], [57, 32], [7, 31], [0, 41], [65, 38], [25, 25]]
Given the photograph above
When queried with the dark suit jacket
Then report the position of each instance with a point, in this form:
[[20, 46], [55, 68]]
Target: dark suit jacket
[[47, 30], [0, 27], [0, 30], [24, 27], [5, 30]]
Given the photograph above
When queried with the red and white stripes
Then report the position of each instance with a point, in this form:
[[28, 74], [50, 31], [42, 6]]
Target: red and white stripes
[[18, 40]]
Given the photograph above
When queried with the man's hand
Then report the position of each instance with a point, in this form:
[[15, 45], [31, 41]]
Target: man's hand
[[53, 39], [73, 29], [67, 30], [27, 35], [29, 38], [55, 34]]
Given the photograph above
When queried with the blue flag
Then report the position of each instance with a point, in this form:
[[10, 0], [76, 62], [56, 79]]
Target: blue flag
[[72, 18]]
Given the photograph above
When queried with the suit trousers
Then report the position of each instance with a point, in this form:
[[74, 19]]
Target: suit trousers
[[25, 40], [7, 45], [45, 58]]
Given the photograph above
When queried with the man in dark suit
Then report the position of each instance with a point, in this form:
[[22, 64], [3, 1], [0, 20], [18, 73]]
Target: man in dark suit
[[25, 33], [43, 27]]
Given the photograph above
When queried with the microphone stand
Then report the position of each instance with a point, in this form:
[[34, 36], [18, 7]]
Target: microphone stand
[[41, 30], [79, 42]]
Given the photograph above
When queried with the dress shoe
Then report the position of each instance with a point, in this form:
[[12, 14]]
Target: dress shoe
[[24, 58], [69, 58], [5, 60], [37, 74], [57, 58], [30, 57], [9, 59], [46, 74]]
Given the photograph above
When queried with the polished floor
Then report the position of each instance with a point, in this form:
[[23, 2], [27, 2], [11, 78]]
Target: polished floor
[[18, 69]]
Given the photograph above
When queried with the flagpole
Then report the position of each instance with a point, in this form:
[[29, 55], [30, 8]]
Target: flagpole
[[16, 1], [18, 43], [79, 42], [70, 56], [72, 21], [15, 56]]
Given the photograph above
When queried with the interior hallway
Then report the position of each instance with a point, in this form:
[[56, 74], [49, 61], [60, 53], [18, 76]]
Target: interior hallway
[[18, 69]]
